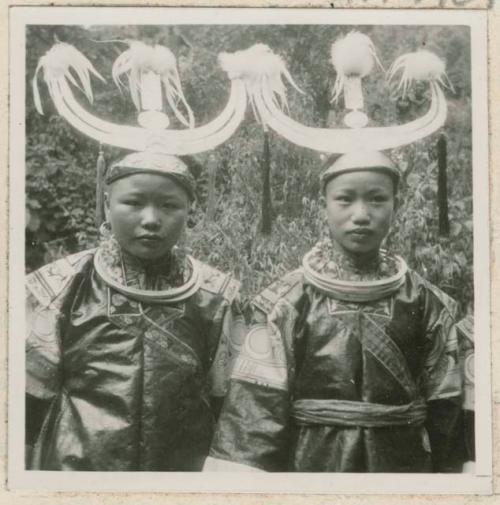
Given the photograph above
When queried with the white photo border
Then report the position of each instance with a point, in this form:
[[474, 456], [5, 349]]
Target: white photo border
[[19, 478]]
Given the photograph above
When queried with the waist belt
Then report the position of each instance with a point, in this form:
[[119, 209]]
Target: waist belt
[[357, 414]]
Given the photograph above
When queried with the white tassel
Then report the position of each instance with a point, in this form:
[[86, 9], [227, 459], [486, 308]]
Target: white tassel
[[262, 71], [419, 66], [58, 63], [141, 59]]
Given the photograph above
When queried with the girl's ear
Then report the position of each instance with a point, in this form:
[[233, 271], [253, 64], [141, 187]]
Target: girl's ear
[[322, 200]]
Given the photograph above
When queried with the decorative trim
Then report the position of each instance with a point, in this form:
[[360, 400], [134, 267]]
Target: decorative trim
[[148, 296], [355, 291]]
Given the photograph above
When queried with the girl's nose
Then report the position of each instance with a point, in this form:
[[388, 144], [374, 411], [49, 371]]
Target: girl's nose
[[360, 213], [150, 218]]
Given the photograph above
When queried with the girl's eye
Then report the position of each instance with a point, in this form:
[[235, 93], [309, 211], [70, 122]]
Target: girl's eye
[[379, 199], [132, 203], [342, 198], [168, 205]]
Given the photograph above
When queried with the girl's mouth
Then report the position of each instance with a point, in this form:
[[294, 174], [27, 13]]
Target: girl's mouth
[[149, 239], [361, 232]]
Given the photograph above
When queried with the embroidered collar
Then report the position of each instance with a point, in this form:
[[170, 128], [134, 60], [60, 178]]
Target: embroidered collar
[[327, 260], [169, 279], [334, 274]]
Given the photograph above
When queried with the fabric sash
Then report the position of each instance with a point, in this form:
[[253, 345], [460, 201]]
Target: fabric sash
[[307, 412]]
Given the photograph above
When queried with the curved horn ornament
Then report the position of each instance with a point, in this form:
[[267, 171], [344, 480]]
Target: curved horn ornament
[[63, 59], [343, 140], [264, 88]]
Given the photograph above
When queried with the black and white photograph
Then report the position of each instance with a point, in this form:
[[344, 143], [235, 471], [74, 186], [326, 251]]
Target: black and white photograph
[[249, 247]]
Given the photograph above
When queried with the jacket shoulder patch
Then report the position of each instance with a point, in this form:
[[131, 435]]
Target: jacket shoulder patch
[[216, 282], [46, 283], [445, 300], [279, 289]]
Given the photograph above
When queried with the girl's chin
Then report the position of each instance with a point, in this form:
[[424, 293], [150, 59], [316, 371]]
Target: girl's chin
[[148, 254], [360, 255], [357, 250]]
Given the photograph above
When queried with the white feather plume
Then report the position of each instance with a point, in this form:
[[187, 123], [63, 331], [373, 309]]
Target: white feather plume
[[141, 58], [59, 63], [352, 56], [262, 71], [421, 65]]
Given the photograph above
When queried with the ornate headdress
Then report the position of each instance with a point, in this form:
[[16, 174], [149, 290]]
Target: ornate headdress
[[152, 77], [258, 76], [353, 57]]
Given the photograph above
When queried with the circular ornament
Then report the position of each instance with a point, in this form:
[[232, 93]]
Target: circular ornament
[[356, 119], [257, 344]]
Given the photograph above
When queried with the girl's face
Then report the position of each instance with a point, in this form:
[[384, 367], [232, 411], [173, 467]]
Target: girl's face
[[360, 206], [148, 213]]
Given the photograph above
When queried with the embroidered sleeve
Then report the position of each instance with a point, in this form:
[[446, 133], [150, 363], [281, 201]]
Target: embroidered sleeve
[[441, 371], [42, 349], [254, 423], [442, 383], [466, 346], [46, 299], [230, 340]]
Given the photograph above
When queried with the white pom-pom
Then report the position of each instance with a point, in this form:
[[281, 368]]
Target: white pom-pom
[[261, 70], [421, 65], [352, 56], [250, 63]]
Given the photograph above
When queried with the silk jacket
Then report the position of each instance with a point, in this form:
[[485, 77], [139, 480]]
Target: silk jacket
[[392, 359], [115, 384]]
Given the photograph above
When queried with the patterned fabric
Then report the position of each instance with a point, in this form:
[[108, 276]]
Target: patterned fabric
[[358, 160], [466, 344], [163, 274], [115, 384], [150, 162], [305, 348], [466, 357], [331, 272], [330, 262]]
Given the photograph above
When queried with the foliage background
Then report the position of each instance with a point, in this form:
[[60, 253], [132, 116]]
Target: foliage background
[[61, 163]]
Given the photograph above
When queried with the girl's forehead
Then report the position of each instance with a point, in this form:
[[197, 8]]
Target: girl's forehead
[[362, 179], [147, 183]]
